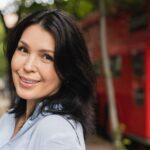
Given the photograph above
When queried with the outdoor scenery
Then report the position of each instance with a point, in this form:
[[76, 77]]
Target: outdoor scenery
[[117, 34]]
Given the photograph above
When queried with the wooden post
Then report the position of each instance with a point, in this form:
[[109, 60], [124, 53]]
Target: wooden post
[[108, 76]]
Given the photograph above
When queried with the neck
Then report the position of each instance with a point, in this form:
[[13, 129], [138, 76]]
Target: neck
[[30, 108], [20, 121]]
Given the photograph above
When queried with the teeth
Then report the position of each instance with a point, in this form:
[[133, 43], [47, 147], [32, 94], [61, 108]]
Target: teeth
[[28, 81]]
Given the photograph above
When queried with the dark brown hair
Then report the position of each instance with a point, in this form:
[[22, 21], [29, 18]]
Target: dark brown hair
[[72, 64]]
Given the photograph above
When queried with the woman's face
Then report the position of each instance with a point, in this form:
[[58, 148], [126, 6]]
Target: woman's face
[[32, 65]]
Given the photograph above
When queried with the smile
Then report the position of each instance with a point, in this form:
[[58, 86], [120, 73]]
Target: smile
[[27, 83]]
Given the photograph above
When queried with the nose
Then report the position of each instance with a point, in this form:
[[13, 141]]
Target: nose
[[30, 64]]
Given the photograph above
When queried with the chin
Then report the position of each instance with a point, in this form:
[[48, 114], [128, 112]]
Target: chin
[[25, 96]]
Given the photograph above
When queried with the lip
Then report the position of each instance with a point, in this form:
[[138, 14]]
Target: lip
[[27, 82]]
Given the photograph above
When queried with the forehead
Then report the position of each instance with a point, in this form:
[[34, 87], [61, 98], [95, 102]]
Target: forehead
[[36, 36]]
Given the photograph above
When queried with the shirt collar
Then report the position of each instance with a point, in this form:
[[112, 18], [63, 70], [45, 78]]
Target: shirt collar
[[37, 111]]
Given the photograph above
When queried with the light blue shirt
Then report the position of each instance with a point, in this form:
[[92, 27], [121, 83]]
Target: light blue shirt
[[48, 132]]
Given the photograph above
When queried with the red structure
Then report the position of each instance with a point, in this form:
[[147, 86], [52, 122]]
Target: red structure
[[128, 39]]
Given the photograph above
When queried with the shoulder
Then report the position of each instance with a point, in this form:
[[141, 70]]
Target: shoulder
[[59, 132], [7, 124], [6, 118], [57, 124]]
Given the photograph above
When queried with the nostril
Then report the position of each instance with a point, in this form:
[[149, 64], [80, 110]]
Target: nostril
[[29, 66]]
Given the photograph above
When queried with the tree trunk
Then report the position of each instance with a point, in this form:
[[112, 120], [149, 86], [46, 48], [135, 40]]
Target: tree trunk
[[108, 76]]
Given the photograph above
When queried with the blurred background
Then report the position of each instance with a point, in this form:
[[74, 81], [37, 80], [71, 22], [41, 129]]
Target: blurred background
[[117, 33]]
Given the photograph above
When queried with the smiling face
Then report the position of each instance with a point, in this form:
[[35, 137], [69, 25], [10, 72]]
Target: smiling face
[[32, 65]]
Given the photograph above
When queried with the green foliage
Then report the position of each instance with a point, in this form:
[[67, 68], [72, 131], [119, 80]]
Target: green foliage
[[2, 33], [2, 62], [84, 8], [78, 8], [121, 142], [2, 59], [23, 10]]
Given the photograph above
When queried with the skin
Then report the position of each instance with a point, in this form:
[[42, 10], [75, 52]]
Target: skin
[[33, 71]]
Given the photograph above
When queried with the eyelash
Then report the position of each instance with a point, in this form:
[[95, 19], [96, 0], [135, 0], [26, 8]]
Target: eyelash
[[45, 56], [22, 49], [48, 57]]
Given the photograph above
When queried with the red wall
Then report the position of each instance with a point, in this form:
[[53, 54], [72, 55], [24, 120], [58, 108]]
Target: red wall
[[125, 43]]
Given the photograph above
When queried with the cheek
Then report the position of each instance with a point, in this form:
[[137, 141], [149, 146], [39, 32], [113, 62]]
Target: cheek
[[51, 76], [16, 62]]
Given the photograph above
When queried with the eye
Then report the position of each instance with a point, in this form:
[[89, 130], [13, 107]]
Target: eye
[[48, 57], [22, 49]]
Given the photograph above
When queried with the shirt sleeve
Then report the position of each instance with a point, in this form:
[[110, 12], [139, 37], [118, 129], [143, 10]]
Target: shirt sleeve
[[55, 133]]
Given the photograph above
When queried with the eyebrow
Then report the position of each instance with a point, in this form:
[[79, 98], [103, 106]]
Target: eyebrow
[[41, 50]]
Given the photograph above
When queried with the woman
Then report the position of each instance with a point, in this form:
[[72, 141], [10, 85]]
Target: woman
[[51, 84]]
